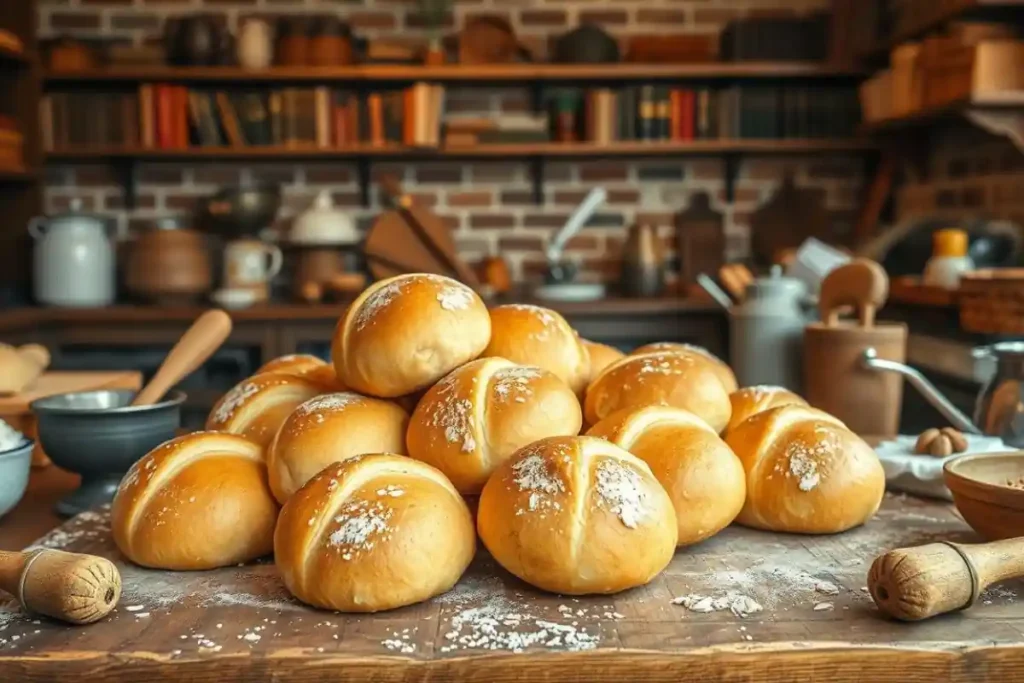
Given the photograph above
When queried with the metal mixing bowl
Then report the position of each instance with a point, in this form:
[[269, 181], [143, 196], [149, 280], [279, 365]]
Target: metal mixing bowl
[[99, 435], [240, 211], [14, 468]]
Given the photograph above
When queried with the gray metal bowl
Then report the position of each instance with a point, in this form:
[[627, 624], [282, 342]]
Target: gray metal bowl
[[14, 468], [99, 435]]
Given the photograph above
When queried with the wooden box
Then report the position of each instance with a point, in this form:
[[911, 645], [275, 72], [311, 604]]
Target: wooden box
[[955, 72]]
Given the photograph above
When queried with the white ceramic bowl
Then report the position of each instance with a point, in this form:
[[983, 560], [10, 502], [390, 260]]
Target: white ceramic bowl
[[234, 298], [15, 465]]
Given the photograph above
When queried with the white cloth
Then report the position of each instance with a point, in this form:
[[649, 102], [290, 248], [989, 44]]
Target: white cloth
[[922, 474]]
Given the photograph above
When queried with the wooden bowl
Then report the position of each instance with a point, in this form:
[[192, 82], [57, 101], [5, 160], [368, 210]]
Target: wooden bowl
[[988, 489]]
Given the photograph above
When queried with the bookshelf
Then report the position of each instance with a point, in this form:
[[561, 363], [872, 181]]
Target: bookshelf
[[1006, 101]]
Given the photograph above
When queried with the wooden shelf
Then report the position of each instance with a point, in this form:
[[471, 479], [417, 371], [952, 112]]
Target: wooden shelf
[[511, 73], [488, 151], [8, 56], [16, 175], [1004, 101], [941, 13]]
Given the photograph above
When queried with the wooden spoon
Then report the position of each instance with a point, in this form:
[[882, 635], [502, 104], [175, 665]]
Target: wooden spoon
[[78, 589], [198, 343]]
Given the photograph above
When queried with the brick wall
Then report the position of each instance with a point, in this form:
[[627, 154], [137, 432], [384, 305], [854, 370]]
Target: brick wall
[[489, 205]]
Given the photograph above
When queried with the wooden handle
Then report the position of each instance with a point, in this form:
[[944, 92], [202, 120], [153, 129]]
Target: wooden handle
[[733, 283], [861, 283], [78, 589], [912, 584], [205, 336]]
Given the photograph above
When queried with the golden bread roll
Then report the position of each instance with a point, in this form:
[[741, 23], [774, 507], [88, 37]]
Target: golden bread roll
[[806, 472], [405, 333], [330, 428], [307, 366], [750, 401], [199, 501], [683, 380], [702, 476], [374, 532], [257, 407], [531, 335], [577, 515], [479, 415], [601, 356], [722, 368]]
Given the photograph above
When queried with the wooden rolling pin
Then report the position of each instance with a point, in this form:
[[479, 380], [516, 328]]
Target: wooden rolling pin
[[79, 589], [912, 584]]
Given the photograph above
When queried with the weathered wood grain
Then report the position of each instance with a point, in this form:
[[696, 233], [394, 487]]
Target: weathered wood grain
[[239, 623]]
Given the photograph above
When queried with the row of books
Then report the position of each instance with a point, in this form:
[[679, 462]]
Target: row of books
[[163, 116], [745, 112]]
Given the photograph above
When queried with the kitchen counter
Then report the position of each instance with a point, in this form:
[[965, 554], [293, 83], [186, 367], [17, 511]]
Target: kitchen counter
[[816, 622]]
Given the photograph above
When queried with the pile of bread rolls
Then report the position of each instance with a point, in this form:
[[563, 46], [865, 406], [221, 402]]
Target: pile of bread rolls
[[356, 474]]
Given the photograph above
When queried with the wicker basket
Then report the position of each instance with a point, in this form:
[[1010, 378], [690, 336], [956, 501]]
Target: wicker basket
[[992, 301]]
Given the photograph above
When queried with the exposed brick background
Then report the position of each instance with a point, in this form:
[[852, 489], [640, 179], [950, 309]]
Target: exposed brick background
[[489, 205]]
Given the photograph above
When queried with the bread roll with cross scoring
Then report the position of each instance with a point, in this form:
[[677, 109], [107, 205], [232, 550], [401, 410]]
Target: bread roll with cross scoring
[[372, 533], [307, 366], [330, 428], [199, 501], [403, 334], [479, 415], [683, 380], [577, 515], [532, 335], [722, 368], [257, 407], [750, 401], [702, 476], [601, 356], [806, 472]]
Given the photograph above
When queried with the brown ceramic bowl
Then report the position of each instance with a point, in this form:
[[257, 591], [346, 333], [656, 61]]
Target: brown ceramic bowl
[[988, 489]]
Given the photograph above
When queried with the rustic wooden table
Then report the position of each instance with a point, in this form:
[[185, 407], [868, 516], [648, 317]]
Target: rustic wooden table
[[816, 622]]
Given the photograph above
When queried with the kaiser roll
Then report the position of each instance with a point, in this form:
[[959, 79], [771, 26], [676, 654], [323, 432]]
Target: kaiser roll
[[257, 407], [723, 370], [405, 333], [372, 533], [682, 380], [750, 401], [329, 429], [702, 476], [601, 356], [199, 501], [806, 472], [577, 515], [305, 365], [532, 335], [479, 415]]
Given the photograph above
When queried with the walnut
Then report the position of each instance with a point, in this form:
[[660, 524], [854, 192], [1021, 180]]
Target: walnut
[[940, 442]]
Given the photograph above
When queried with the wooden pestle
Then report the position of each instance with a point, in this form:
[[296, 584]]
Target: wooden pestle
[[912, 584], [79, 589], [199, 342]]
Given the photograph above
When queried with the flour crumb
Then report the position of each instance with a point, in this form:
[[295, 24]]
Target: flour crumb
[[826, 588], [135, 608], [741, 606], [824, 607]]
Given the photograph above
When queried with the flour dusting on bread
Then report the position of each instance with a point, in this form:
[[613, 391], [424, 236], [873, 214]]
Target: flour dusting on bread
[[533, 475], [620, 491], [455, 297], [514, 382], [362, 524], [454, 414], [329, 403], [803, 463], [378, 301], [234, 399]]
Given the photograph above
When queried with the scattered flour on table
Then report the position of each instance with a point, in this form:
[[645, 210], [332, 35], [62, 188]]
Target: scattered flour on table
[[86, 526], [500, 625], [740, 605], [10, 438], [620, 490], [773, 584], [824, 607]]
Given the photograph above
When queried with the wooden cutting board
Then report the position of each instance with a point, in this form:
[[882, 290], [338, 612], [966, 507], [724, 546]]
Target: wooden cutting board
[[14, 409]]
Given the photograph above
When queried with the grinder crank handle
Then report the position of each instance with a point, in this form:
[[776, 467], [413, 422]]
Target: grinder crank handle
[[576, 221], [912, 584], [869, 360], [72, 587]]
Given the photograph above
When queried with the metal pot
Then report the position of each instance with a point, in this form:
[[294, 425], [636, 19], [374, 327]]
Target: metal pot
[[73, 260], [240, 211], [197, 40]]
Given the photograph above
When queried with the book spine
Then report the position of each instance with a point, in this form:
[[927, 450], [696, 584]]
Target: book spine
[[375, 112], [675, 100], [323, 117], [46, 122], [276, 123], [339, 119], [164, 116], [688, 115], [646, 114]]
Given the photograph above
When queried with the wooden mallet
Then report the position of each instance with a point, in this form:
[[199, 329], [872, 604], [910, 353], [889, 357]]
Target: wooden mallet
[[75, 588], [912, 584]]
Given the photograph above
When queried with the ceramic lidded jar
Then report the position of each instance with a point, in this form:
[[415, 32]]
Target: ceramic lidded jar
[[255, 45], [73, 260]]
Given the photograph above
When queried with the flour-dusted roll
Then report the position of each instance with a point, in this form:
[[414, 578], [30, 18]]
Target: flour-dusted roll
[[722, 368], [683, 380], [806, 472], [577, 515], [403, 334], [532, 335], [330, 428], [479, 415], [307, 366], [257, 407], [702, 476], [750, 401], [601, 356], [373, 532], [199, 501]]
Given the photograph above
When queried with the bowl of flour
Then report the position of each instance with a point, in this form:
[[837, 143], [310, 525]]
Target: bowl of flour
[[15, 463]]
